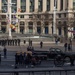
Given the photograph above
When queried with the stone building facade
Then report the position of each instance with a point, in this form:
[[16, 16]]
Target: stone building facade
[[36, 16]]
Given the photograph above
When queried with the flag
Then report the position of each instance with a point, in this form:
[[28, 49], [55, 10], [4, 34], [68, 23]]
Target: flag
[[12, 26], [72, 31], [19, 10]]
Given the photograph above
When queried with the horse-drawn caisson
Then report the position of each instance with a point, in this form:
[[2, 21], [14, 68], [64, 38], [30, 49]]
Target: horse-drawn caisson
[[32, 56], [59, 57]]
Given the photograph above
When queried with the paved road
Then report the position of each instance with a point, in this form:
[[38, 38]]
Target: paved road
[[9, 62], [11, 50]]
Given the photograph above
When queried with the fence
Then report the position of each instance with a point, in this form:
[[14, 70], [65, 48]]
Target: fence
[[38, 71]]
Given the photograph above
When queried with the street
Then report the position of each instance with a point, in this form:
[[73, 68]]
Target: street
[[9, 62]]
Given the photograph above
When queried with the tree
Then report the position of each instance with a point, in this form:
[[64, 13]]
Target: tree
[[42, 19]]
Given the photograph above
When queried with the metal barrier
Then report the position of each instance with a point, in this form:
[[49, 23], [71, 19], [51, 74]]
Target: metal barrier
[[39, 71]]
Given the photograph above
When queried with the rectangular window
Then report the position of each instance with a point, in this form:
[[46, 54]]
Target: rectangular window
[[61, 5], [40, 5], [3, 23], [32, 5], [23, 5], [14, 6], [21, 16], [74, 4], [55, 3], [4, 6], [48, 5]]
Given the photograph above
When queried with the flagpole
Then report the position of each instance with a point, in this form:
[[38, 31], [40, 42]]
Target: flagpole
[[9, 6], [54, 18]]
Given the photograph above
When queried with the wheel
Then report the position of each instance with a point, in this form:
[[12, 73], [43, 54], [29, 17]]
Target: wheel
[[67, 60], [59, 61]]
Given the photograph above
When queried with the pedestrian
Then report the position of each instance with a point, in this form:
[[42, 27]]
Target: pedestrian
[[29, 42], [72, 60], [69, 47], [70, 40], [16, 73], [65, 46], [24, 41], [41, 44], [5, 52]]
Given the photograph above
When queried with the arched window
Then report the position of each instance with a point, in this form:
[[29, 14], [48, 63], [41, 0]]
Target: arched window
[[22, 23]]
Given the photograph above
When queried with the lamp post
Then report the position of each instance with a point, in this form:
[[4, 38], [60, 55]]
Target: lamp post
[[54, 18]]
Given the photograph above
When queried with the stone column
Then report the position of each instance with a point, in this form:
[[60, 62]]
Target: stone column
[[0, 5], [52, 5], [70, 4], [50, 28], [26, 27], [36, 5], [27, 5], [0, 25], [44, 5], [58, 5], [34, 28]]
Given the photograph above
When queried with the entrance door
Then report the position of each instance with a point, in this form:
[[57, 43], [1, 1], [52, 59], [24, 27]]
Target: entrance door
[[22, 30], [46, 30], [39, 30]]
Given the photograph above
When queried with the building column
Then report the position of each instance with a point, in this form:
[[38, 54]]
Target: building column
[[0, 5], [62, 31], [27, 5], [34, 28], [52, 5], [58, 5], [0, 25], [50, 28], [44, 5], [42, 29], [70, 5], [36, 6], [18, 5], [26, 30], [18, 31]]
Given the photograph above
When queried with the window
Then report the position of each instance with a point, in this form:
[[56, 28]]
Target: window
[[40, 5], [3, 23], [3, 16], [59, 15], [61, 5], [31, 5], [48, 5], [4, 6], [74, 4], [14, 6], [21, 16], [23, 5], [30, 16], [55, 3], [64, 14], [22, 23]]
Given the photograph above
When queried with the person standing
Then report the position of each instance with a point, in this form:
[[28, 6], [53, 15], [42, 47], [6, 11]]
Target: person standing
[[5, 52], [69, 47], [41, 44], [65, 46]]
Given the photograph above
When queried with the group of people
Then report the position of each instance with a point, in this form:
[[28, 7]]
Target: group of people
[[10, 42], [25, 58], [68, 46]]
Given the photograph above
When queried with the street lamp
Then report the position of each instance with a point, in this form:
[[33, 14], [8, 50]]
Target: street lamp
[[54, 18]]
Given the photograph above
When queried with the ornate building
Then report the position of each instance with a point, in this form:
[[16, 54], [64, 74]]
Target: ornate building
[[36, 16]]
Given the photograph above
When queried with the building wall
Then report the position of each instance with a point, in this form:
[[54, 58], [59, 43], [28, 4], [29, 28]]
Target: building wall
[[34, 28]]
